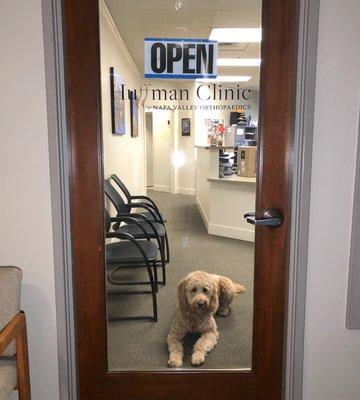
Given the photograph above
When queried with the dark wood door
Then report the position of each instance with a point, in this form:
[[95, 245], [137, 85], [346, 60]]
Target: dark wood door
[[82, 66]]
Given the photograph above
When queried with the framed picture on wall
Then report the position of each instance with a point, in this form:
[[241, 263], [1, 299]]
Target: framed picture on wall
[[185, 126], [117, 103], [134, 115]]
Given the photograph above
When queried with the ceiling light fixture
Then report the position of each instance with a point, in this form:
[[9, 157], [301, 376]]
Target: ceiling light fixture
[[238, 62], [236, 35], [227, 78], [180, 5]]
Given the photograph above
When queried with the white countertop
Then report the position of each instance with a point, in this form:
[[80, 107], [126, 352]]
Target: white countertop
[[233, 179], [215, 147]]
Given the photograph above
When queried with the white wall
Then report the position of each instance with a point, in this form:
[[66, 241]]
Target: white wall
[[164, 135], [202, 184], [332, 353], [123, 155], [162, 146], [25, 204], [187, 172], [149, 149]]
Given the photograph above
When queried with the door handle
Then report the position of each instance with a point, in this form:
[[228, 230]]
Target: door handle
[[272, 218]]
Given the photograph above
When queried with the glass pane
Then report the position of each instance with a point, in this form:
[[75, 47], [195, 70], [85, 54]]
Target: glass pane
[[180, 101]]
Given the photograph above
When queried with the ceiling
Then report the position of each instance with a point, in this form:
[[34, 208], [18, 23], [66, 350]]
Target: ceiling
[[137, 19]]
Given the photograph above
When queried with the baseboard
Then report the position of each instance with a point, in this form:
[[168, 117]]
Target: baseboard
[[188, 191], [203, 214], [161, 188], [231, 232]]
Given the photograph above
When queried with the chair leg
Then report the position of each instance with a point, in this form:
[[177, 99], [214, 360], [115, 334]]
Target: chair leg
[[163, 260], [137, 318], [153, 292], [128, 283], [153, 281], [155, 276], [167, 248], [154, 318], [163, 274], [22, 360]]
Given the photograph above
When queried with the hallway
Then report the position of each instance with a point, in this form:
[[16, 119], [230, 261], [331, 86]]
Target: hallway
[[142, 345]]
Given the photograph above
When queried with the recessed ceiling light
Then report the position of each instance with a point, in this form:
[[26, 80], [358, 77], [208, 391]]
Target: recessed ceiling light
[[238, 62], [227, 78], [180, 4], [236, 35]]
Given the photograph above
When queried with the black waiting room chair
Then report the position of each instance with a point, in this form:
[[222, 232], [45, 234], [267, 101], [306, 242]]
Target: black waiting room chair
[[145, 199], [142, 230], [128, 252], [156, 230]]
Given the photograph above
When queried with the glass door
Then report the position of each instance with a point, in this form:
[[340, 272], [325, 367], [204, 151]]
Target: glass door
[[180, 119]]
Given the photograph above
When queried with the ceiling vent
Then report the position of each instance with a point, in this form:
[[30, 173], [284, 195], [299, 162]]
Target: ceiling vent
[[226, 44], [232, 46]]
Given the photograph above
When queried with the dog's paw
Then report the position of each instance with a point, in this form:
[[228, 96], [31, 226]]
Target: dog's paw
[[224, 312], [175, 362], [197, 358]]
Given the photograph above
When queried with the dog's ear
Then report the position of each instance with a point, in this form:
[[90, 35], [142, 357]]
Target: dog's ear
[[183, 303], [214, 301]]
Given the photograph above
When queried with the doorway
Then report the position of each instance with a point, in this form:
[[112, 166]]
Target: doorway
[[246, 381]]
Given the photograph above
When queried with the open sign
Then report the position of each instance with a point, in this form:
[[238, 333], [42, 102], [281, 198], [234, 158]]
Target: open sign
[[180, 58]]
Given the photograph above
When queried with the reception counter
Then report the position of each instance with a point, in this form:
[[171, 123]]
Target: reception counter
[[222, 202]]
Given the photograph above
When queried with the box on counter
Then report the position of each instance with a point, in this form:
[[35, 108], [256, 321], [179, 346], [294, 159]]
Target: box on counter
[[246, 161]]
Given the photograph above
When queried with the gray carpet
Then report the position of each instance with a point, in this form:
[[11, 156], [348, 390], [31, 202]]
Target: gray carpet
[[142, 345]]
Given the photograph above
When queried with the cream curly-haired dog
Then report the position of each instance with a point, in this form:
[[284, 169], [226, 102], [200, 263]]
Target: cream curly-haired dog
[[200, 296]]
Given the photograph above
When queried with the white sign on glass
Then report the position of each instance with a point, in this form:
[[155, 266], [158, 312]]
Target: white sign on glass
[[180, 58]]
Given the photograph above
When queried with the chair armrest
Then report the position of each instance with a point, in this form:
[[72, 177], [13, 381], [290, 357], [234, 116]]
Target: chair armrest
[[143, 218], [11, 331], [155, 214], [152, 205], [115, 235], [147, 199], [132, 220]]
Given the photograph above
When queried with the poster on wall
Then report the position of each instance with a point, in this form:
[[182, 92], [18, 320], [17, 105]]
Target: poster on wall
[[185, 126], [117, 103], [134, 115]]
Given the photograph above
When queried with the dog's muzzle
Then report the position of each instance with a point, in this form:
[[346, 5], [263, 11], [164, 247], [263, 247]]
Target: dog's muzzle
[[200, 304]]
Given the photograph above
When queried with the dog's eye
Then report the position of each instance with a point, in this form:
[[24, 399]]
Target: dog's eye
[[194, 289], [205, 290]]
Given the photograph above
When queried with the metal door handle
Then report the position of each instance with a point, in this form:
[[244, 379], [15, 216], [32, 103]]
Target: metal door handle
[[272, 218]]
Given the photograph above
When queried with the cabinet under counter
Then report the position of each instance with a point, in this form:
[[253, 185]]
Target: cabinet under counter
[[222, 202]]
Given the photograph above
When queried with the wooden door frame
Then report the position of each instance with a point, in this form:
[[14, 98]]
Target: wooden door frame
[[300, 190]]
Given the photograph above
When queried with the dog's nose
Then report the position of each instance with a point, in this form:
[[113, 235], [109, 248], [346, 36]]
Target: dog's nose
[[200, 304]]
